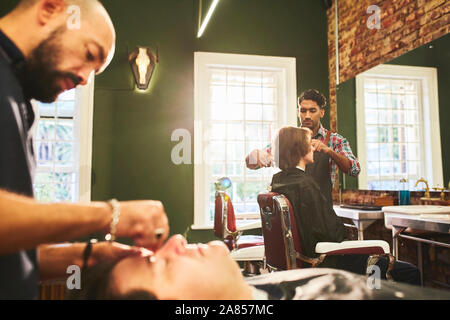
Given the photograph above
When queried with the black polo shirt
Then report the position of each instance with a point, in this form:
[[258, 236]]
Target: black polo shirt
[[18, 271]]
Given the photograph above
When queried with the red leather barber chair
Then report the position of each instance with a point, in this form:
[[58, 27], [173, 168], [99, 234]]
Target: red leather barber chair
[[246, 248], [283, 249]]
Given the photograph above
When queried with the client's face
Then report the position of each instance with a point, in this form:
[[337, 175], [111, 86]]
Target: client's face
[[180, 271], [309, 157]]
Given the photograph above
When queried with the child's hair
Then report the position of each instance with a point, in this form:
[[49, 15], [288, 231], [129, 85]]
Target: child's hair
[[290, 145]]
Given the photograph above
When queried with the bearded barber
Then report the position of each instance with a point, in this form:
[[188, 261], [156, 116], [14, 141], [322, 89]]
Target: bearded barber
[[40, 57], [332, 151]]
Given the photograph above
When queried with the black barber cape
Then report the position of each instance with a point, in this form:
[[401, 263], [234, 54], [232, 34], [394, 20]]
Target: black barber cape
[[315, 217], [18, 271]]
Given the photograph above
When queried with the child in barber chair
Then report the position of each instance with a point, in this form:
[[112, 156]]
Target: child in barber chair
[[315, 217], [181, 271]]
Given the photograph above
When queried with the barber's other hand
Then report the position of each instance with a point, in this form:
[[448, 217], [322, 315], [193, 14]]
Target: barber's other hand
[[258, 159], [113, 251], [319, 146], [141, 221]]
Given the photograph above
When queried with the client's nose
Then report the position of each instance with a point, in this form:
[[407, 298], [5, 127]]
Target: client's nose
[[176, 244]]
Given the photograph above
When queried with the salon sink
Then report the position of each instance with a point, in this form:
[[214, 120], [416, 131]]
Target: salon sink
[[418, 209]]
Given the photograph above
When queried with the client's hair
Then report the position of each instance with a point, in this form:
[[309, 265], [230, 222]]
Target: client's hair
[[95, 285], [290, 145]]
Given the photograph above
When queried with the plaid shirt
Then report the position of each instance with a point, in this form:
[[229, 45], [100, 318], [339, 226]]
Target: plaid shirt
[[338, 144], [341, 146]]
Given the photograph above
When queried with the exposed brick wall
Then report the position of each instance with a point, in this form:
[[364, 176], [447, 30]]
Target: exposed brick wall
[[405, 25]]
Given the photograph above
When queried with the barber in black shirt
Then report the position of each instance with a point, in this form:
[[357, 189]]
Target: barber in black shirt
[[42, 55]]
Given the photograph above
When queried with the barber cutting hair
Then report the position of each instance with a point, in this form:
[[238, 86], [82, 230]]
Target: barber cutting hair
[[332, 151], [40, 57]]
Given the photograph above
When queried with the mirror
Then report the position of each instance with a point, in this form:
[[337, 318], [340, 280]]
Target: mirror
[[395, 114]]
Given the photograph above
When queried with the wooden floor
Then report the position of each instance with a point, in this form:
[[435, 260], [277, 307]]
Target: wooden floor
[[53, 291]]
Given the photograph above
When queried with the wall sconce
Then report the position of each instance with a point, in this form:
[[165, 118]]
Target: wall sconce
[[143, 62]]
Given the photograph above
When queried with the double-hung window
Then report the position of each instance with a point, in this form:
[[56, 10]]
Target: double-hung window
[[398, 127], [63, 147], [240, 101]]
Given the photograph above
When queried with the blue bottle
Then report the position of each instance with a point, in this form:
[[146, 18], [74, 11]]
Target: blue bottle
[[403, 193]]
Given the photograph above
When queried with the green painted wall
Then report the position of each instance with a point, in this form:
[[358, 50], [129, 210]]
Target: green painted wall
[[132, 131], [438, 57]]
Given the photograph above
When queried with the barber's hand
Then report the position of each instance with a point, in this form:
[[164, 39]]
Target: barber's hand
[[113, 251], [145, 222], [258, 159], [319, 146]]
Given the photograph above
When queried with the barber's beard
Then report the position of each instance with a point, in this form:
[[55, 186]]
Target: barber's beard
[[40, 78]]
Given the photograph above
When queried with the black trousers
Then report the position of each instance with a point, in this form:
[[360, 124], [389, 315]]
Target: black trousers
[[402, 272]]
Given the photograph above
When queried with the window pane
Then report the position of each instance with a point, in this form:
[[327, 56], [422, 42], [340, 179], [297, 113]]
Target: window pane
[[371, 134], [253, 94], [252, 189], [67, 95], [413, 134], [218, 93], [253, 78], [65, 109], [386, 168], [253, 112], [46, 129], [413, 152], [385, 117], [64, 130], [410, 101], [371, 116], [413, 168], [44, 150], [412, 117], [269, 95], [235, 169], [253, 131], [386, 152], [373, 152], [218, 131], [47, 109], [384, 100], [235, 131], [370, 100], [238, 192], [269, 79], [370, 84], [64, 153], [269, 113], [383, 134], [218, 111], [235, 94], [44, 192], [235, 77], [235, 151], [218, 77], [216, 151], [218, 169]]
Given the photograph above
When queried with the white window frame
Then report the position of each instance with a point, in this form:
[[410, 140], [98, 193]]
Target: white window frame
[[84, 109], [430, 117], [83, 130], [288, 115]]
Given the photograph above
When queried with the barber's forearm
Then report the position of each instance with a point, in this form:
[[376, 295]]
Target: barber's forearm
[[55, 259], [26, 223], [342, 161]]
